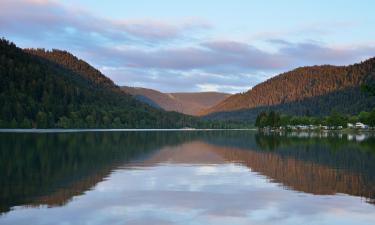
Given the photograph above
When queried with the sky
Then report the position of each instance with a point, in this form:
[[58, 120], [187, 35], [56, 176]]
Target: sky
[[195, 45]]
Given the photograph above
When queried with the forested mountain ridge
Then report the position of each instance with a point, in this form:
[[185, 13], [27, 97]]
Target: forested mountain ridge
[[302, 84], [350, 101], [78, 66], [184, 102], [51, 89]]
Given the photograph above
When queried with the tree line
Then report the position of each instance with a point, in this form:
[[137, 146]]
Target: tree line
[[275, 119]]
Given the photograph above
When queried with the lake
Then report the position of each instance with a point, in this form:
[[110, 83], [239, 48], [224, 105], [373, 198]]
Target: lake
[[186, 177]]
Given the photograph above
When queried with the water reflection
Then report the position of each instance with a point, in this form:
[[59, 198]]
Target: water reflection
[[52, 168], [216, 177]]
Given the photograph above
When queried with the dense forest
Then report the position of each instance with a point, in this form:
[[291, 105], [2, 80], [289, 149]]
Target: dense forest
[[315, 90], [54, 89]]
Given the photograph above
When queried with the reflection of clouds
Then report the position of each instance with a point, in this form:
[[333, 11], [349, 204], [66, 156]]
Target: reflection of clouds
[[199, 194], [146, 221], [206, 170]]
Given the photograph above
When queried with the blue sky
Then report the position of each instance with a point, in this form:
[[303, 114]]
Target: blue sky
[[195, 45]]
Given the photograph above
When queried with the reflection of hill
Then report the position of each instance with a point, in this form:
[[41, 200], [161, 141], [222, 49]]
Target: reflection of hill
[[309, 165], [195, 152], [52, 168], [314, 165], [64, 194], [300, 175], [333, 151]]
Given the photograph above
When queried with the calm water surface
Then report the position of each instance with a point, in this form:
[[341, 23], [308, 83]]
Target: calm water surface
[[191, 177]]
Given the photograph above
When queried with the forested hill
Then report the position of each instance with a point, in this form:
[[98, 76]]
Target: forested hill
[[48, 89], [78, 66], [327, 87]]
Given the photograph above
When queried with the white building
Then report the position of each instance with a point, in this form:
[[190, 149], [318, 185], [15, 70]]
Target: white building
[[361, 126]]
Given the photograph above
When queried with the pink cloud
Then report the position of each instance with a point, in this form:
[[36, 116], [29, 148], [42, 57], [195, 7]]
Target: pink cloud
[[43, 16]]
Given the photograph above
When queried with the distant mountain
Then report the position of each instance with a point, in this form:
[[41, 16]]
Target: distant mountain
[[312, 90], [187, 103], [48, 89]]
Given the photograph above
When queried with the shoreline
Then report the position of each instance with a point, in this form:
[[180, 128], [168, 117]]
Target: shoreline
[[77, 130], [342, 131]]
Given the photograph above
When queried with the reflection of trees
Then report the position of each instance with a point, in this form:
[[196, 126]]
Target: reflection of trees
[[332, 150], [52, 168], [335, 141], [317, 165], [309, 177], [268, 142]]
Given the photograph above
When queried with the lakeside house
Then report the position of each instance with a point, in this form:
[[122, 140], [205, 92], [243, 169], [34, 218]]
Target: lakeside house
[[361, 126]]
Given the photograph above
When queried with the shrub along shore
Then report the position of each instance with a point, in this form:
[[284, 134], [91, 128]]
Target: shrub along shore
[[334, 121]]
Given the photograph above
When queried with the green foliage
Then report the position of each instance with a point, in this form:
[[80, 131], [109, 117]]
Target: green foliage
[[41, 120], [371, 119], [335, 119], [364, 117], [353, 119], [271, 119], [369, 89], [368, 85], [261, 120], [64, 122]]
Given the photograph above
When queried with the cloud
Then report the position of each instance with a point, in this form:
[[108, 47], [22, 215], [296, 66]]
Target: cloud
[[310, 53], [46, 19], [151, 29], [303, 29], [238, 57], [223, 65], [172, 80], [207, 56], [166, 55]]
